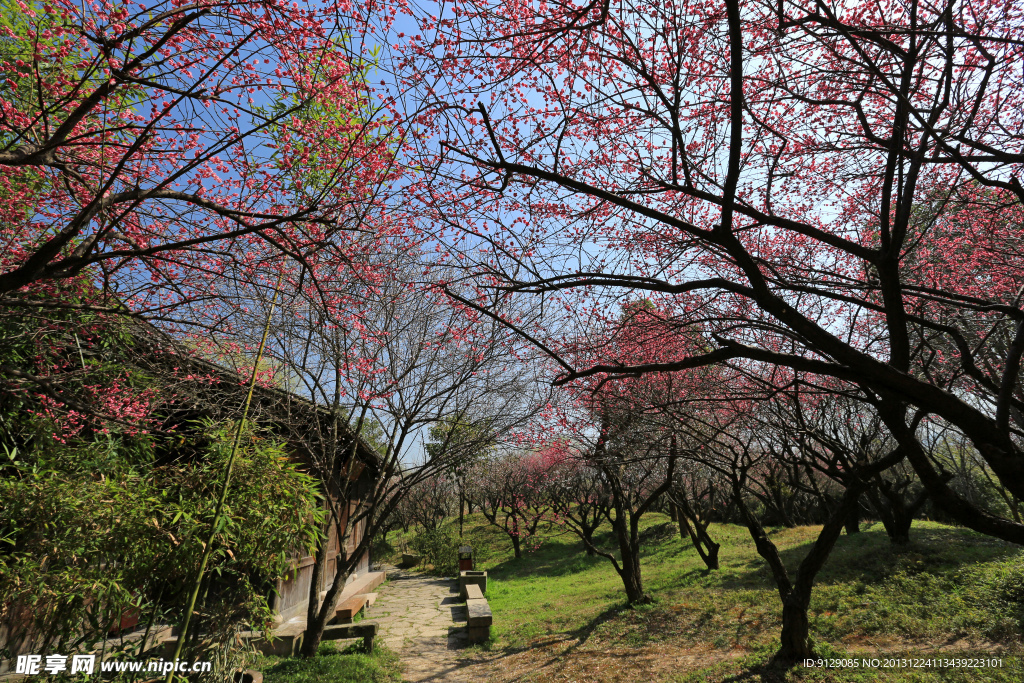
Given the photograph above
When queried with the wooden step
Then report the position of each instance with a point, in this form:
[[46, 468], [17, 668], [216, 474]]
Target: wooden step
[[282, 645], [348, 609], [366, 631]]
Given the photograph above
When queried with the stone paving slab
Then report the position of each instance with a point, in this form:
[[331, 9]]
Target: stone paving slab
[[420, 618]]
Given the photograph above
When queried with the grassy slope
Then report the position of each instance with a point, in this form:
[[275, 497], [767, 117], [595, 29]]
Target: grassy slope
[[950, 588]]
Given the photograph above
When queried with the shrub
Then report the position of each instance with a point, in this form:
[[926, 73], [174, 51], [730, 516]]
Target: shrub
[[439, 548]]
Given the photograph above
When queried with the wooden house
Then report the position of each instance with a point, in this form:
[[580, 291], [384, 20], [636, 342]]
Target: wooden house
[[315, 435]]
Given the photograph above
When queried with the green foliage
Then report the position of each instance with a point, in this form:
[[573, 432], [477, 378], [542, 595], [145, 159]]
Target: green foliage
[[351, 122], [382, 550], [459, 442], [439, 548], [95, 529], [331, 665]]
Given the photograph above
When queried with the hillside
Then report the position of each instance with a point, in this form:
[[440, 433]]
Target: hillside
[[561, 615]]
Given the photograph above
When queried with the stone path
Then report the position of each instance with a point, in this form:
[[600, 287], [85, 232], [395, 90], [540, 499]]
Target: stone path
[[420, 618]]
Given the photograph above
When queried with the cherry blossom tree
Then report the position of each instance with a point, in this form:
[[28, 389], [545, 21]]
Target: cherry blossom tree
[[508, 489], [149, 153], [803, 184], [575, 491]]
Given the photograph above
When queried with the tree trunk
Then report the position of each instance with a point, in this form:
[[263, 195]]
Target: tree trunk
[[588, 535], [796, 595], [629, 550], [795, 629], [316, 619], [899, 532], [312, 607], [515, 547], [711, 559], [311, 640], [632, 580], [708, 551], [853, 521], [706, 548], [462, 504]]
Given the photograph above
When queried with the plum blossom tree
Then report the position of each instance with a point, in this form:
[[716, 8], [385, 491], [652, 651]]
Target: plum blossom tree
[[694, 497], [627, 432], [742, 440], [151, 152], [801, 182], [508, 489], [575, 490], [144, 126]]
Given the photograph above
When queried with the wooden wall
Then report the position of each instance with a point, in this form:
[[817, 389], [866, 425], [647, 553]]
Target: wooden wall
[[293, 592]]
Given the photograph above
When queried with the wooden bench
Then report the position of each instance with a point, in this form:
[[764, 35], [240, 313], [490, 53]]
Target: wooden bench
[[350, 608], [365, 630]]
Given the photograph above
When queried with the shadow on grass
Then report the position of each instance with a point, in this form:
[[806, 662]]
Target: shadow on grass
[[548, 561], [869, 557], [762, 673]]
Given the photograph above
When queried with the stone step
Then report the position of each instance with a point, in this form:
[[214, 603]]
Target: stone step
[[479, 612], [479, 634], [473, 592], [468, 578]]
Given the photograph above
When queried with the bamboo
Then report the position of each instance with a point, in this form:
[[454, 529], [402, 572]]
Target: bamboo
[[208, 548]]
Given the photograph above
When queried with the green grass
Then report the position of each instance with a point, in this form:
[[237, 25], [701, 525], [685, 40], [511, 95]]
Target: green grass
[[333, 665], [950, 588]]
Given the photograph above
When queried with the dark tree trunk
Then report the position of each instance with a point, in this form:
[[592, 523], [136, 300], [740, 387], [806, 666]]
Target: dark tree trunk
[[629, 551], [885, 515], [782, 507], [516, 546], [896, 515], [698, 533], [633, 582], [795, 638], [900, 535], [852, 523], [316, 619], [796, 594], [893, 413], [588, 541], [313, 635], [462, 504], [311, 640]]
